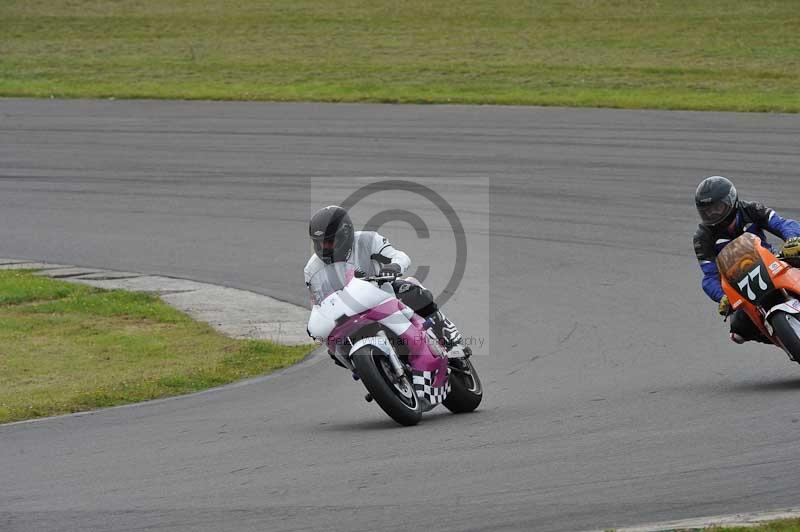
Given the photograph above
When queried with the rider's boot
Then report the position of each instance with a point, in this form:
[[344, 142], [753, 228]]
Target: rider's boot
[[739, 339], [450, 337]]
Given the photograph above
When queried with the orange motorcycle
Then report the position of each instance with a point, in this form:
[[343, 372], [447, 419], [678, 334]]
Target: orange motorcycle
[[767, 287]]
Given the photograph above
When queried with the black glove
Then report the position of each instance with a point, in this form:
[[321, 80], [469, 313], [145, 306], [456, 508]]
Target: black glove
[[391, 269]]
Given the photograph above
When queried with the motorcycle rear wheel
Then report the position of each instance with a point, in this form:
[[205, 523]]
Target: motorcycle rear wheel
[[396, 396], [466, 390], [787, 330]]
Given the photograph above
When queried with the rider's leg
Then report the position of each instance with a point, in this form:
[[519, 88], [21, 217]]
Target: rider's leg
[[744, 330], [416, 297], [420, 300]]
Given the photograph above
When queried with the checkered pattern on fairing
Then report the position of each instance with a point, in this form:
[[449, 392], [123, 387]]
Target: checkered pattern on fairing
[[423, 385]]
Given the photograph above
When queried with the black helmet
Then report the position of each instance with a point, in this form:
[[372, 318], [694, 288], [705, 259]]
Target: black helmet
[[332, 233], [716, 200]]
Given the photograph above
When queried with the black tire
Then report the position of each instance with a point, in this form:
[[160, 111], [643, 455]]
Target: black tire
[[787, 331], [466, 390], [376, 373]]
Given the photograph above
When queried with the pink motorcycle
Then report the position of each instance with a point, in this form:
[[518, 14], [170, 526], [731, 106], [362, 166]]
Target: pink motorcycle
[[387, 346]]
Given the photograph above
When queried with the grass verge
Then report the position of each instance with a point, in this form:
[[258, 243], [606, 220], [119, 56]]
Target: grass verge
[[785, 525], [68, 348], [781, 525], [672, 54]]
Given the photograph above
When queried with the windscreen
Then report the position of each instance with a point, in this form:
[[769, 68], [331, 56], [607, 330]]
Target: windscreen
[[328, 280], [739, 257]]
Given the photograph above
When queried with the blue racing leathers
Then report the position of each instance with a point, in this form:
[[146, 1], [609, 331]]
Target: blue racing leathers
[[751, 217]]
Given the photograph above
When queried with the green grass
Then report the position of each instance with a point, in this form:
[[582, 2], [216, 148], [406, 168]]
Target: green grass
[[68, 348], [716, 54], [783, 525], [786, 525]]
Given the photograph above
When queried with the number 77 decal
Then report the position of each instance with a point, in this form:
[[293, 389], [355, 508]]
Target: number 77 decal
[[747, 283]]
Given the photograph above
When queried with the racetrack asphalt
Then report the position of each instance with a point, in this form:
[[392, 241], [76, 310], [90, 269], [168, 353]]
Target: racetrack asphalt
[[613, 396]]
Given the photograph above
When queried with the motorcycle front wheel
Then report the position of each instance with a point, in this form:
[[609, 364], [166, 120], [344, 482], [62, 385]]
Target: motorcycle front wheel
[[787, 330], [395, 395]]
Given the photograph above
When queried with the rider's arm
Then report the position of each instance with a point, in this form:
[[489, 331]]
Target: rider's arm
[[711, 283], [783, 227], [385, 253], [310, 269], [706, 256], [770, 220]]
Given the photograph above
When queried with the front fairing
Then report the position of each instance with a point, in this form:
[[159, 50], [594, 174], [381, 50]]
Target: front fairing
[[339, 295], [747, 268], [345, 304], [751, 274]]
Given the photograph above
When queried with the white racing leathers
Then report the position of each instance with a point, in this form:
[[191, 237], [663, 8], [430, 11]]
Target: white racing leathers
[[370, 252]]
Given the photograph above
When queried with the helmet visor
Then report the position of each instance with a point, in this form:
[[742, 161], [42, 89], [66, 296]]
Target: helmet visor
[[323, 246], [332, 249], [715, 213]]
